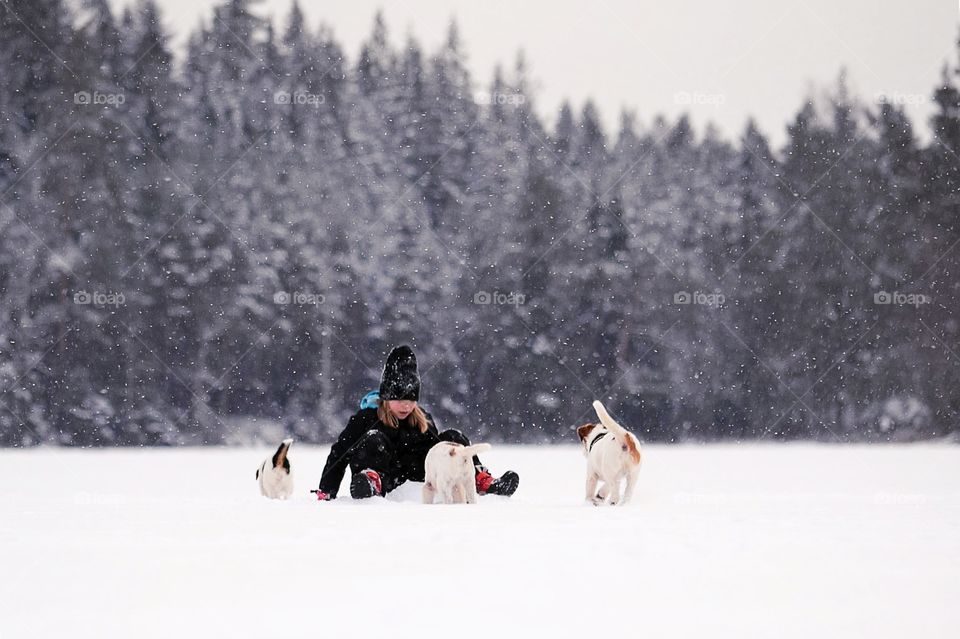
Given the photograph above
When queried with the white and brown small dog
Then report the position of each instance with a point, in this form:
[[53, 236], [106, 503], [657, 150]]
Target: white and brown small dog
[[274, 474], [613, 455], [450, 475]]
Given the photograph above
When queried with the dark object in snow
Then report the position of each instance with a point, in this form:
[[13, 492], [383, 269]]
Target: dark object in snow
[[400, 379], [365, 484], [505, 485]]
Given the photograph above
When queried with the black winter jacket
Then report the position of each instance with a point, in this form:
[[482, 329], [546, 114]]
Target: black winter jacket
[[409, 448]]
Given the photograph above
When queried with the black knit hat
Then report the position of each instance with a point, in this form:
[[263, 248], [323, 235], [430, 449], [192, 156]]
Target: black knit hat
[[400, 379]]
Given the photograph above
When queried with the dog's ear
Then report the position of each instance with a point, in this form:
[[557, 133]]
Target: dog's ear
[[280, 457], [584, 431]]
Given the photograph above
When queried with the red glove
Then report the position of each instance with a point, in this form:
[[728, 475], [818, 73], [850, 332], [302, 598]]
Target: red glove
[[321, 496]]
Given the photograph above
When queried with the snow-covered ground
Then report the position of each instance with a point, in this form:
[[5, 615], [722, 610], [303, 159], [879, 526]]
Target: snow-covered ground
[[738, 541]]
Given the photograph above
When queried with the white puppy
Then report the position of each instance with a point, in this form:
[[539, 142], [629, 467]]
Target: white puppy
[[613, 454], [274, 475], [450, 474]]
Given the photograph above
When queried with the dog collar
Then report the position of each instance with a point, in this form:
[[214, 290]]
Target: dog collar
[[596, 439]]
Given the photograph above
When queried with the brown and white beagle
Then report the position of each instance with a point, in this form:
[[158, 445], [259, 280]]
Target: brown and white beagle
[[613, 456]]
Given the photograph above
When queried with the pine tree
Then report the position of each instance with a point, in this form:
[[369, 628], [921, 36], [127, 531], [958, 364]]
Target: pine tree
[[941, 267]]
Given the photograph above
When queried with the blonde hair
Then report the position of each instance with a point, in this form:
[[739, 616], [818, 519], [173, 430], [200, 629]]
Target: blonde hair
[[417, 418]]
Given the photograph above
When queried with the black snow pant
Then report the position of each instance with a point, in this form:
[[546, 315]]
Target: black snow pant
[[375, 451]]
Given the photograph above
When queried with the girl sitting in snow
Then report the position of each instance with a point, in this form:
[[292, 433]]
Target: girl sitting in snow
[[386, 441]]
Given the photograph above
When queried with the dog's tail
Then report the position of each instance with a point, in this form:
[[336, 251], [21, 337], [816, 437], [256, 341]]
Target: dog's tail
[[475, 449], [280, 457], [619, 431], [606, 420]]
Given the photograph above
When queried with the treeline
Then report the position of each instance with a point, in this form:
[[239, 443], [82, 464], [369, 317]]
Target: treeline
[[246, 229]]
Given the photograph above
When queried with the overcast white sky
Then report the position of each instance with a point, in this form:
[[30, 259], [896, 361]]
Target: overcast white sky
[[733, 59]]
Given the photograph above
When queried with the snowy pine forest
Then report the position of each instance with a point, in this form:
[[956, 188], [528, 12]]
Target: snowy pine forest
[[242, 230]]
